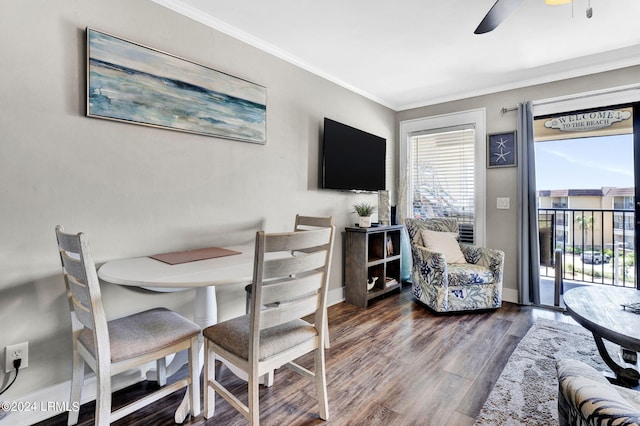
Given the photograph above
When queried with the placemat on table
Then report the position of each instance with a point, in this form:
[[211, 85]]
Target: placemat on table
[[177, 257]]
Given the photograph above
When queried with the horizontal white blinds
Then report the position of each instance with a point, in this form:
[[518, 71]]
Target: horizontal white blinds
[[442, 175]]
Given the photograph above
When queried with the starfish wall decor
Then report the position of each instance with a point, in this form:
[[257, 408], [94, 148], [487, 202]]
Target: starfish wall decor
[[501, 150]]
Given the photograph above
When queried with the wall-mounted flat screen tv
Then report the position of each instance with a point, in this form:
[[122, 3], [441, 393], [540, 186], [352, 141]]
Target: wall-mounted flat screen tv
[[352, 160]]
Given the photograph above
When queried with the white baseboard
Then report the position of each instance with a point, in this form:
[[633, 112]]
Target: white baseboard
[[53, 400], [335, 296], [509, 295]]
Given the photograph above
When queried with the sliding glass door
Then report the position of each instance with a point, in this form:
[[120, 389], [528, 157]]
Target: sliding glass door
[[587, 190]]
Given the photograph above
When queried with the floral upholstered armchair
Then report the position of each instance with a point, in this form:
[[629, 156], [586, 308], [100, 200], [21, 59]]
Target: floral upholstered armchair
[[450, 276]]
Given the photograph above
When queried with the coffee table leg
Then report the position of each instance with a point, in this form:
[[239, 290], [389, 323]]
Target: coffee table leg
[[626, 376]]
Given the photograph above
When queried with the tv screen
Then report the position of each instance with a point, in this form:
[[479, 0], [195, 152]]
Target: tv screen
[[352, 160]]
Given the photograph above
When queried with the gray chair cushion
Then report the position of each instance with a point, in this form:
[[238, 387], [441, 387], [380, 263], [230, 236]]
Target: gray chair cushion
[[142, 333], [234, 335]]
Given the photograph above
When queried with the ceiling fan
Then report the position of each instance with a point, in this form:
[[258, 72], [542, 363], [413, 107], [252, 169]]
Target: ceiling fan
[[503, 8]]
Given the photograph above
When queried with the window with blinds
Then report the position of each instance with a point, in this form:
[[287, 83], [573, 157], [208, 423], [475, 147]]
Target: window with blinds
[[442, 167]]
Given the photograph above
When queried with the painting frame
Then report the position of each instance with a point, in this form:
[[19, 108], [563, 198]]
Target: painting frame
[[502, 150], [132, 83]]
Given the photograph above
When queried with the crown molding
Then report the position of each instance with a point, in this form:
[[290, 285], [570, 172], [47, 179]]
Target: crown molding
[[608, 61], [544, 79], [208, 20]]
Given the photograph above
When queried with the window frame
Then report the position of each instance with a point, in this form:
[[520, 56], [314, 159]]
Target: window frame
[[475, 118]]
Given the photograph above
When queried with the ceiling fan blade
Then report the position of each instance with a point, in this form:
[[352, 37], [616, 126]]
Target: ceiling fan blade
[[498, 13]]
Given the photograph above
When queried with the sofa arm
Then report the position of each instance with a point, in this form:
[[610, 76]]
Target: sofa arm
[[429, 266], [586, 397], [483, 256]]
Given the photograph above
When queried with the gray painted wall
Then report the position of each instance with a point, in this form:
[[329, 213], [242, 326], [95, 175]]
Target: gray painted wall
[[138, 190]]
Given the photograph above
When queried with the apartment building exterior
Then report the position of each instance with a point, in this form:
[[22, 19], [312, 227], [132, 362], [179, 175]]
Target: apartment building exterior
[[586, 219]]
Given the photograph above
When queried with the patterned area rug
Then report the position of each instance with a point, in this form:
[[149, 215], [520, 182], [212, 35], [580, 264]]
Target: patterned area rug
[[526, 391]]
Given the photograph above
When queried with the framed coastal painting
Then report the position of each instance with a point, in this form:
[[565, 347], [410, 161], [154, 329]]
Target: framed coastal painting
[[501, 150], [133, 83]]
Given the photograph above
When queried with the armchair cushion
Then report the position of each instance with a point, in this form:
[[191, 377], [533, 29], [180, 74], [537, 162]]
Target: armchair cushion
[[445, 243]]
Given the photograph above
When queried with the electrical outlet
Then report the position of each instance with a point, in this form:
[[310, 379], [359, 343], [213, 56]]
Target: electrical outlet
[[13, 352], [503, 203]]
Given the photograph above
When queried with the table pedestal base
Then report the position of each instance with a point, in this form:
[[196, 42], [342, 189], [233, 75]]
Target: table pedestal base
[[627, 377]]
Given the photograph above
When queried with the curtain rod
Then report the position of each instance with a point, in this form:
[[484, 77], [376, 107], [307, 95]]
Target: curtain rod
[[505, 110]]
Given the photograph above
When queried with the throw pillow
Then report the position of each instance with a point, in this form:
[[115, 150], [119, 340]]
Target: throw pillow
[[445, 243]]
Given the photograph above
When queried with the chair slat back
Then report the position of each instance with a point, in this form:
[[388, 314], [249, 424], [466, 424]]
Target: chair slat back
[[308, 223], [78, 290], [80, 277], [300, 240], [293, 284], [311, 222], [275, 291], [291, 299], [299, 262], [282, 314]]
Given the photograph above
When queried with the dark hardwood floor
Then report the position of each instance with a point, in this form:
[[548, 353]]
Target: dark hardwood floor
[[394, 363]]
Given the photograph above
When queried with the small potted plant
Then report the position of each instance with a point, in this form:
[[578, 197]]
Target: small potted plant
[[364, 210]]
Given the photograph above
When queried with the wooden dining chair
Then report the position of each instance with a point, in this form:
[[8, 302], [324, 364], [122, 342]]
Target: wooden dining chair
[[303, 223], [111, 347], [289, 283], [306, 223]]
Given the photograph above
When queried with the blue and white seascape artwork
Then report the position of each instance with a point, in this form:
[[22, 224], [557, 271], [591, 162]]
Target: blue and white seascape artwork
[[137, 84]]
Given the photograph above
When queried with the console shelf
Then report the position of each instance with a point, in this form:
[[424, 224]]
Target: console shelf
[[370, 253]]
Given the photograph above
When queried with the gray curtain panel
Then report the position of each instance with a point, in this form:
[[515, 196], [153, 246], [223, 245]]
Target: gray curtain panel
[[529, 257]]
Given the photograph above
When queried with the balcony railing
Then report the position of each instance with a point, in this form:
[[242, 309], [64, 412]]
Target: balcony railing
[[596, 244]]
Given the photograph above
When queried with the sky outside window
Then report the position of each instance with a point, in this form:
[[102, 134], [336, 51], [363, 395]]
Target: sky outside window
[[585, 163]]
